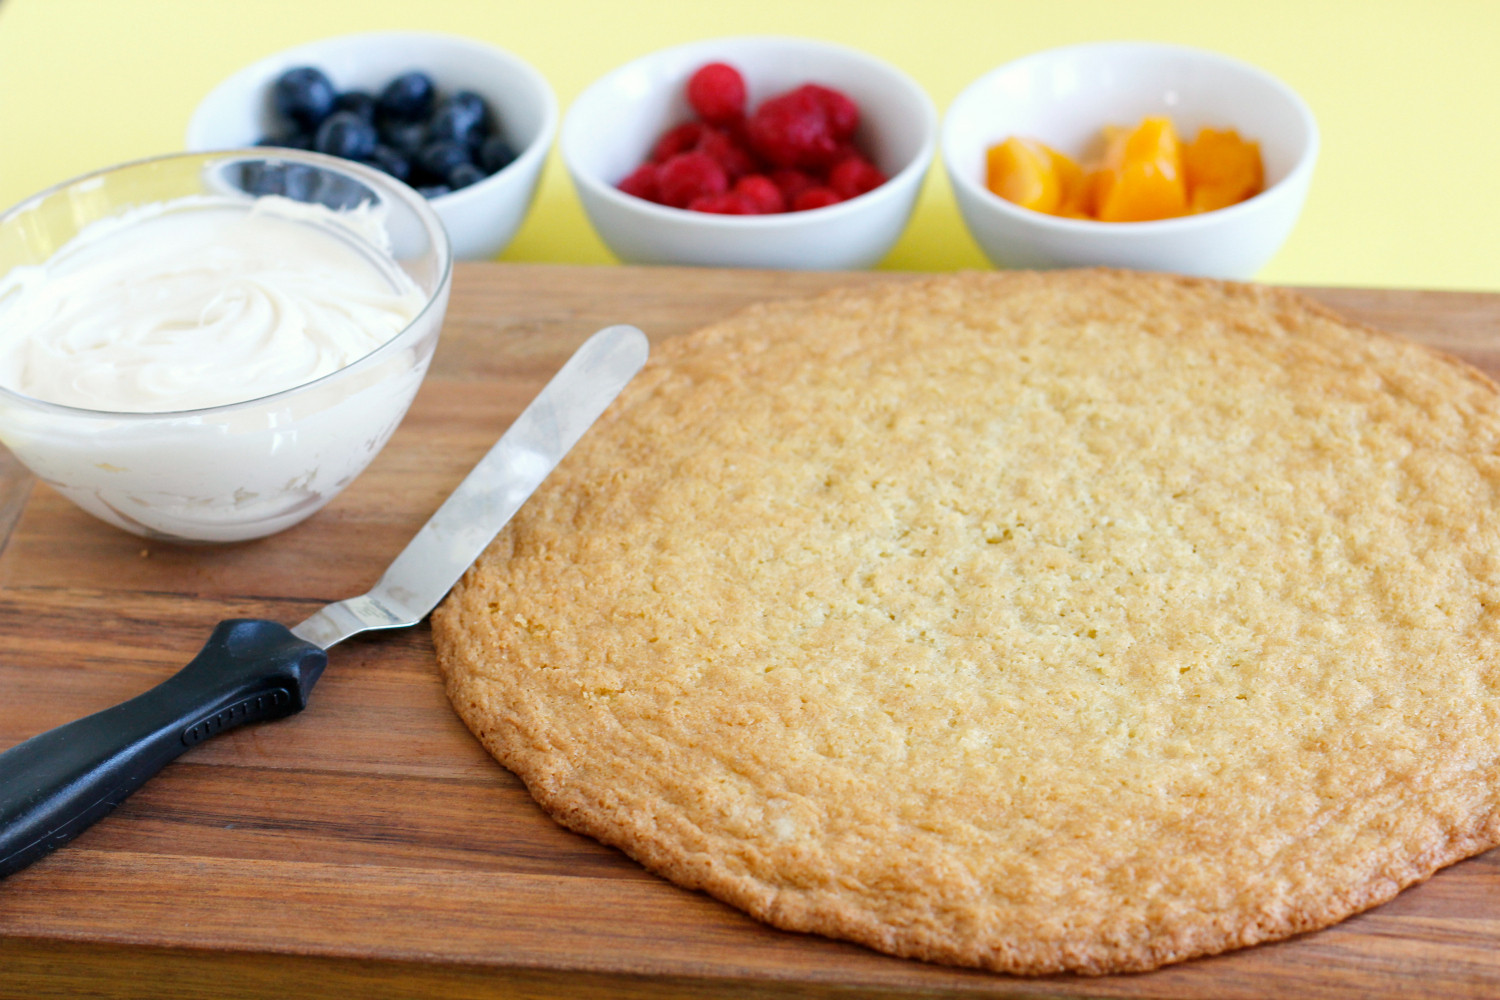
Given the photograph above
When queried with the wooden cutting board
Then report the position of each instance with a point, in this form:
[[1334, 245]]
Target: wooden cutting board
[[369, 848]]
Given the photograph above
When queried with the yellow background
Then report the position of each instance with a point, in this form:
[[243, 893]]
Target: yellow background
[[1407, 96]]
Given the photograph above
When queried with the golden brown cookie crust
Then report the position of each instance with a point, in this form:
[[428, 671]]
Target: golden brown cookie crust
[[1079, 621]]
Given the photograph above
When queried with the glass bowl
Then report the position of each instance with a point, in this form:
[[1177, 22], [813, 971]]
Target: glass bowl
[[245, 469]]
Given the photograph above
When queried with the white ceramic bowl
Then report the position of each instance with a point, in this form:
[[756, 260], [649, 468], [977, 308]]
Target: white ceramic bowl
[[481, 219], [612, 126], [244, 469], [1064, 97]]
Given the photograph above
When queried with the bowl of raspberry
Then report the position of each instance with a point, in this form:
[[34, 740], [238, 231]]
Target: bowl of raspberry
[[768, 152], [467, 124]]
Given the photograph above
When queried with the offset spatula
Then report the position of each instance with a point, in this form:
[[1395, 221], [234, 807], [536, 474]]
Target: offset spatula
[[56, 784]]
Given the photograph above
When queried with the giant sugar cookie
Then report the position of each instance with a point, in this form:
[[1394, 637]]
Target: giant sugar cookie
[[1076, 621]]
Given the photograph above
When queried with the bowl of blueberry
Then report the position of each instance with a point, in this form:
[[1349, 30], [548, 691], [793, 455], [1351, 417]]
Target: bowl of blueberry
[[465, 123]]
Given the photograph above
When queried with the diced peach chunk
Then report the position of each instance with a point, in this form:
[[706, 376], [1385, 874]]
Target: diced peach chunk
[[1222, 169], [1141, 178], [1020, 171], [1073, 202], [1034, 175]]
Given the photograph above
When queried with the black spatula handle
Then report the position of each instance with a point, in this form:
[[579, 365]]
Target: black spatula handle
[[55, 785]]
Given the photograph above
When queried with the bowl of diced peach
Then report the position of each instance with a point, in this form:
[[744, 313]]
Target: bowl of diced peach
[[1130, 154]]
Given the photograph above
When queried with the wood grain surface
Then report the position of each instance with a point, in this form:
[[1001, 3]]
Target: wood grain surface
[[369, 848]]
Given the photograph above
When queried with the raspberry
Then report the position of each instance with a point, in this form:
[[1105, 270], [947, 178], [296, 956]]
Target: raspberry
[[854, 176], [717, 93], [730, 154], [816, 197], [680, 139], [847, 148], [687, 176], [793, 130], [843, 113], [738, 131], [642, 182], [792, 182], [728, 203], [761, 193]]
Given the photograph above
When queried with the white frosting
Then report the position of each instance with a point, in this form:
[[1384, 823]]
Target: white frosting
[[200, 302], [144, 319]]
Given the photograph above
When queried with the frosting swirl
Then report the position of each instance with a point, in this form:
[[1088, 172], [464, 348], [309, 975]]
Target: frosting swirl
[[200, 302]]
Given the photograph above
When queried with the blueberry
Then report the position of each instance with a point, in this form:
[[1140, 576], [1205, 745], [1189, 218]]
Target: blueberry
[[449, 126], [437, 159], [289, 140], [339, 191], [404, 137], [387, 159], [495, 154], [346, 134], [290, 180], [408, 98], [359, 102], [433, 190], [463, 175], [300, 182], [257, 179], [304, 95], [470, 104], [464, 117]]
